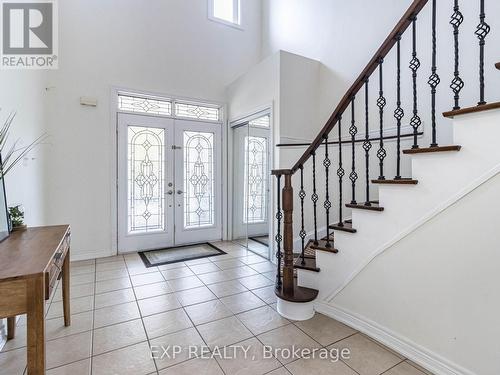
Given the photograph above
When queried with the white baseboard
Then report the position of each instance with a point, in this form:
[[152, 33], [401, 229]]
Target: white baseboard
[[418, 354], [79, 255]]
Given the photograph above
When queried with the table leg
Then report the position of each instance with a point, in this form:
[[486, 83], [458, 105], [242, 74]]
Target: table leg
[[36, 325], [11, 327], [66, 290]]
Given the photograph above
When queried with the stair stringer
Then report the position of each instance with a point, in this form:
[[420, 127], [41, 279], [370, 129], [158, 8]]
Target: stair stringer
[[444, 178]]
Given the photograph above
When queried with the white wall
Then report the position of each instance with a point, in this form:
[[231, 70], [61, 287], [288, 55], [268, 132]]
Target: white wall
[[290, 83], [343, 36], [161, 46], [24, 93], [438, 287], [344, 39], [255, 89]]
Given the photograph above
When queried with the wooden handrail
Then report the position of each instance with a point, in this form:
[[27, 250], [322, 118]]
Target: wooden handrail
[[382, 52]]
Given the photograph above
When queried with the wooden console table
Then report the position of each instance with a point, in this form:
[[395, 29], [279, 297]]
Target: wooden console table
[[31, 261]]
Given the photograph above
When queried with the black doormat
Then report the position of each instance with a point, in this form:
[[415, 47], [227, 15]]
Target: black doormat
[[152, 258]]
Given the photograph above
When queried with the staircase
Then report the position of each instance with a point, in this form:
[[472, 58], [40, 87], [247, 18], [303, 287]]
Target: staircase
[[324, 265]]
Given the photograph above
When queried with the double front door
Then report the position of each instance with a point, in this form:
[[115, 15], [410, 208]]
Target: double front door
[[169, 182]]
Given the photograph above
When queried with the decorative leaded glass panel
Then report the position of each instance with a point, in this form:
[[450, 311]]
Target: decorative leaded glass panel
[[199, 178], [196, 111], [255, 206], [146, 170], [262, 122], [144, 105]]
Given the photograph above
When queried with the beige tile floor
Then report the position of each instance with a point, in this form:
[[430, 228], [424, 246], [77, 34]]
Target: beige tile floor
[[120, 309]]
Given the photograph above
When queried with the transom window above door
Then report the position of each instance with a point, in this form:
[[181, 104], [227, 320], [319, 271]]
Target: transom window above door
[[151, 105]]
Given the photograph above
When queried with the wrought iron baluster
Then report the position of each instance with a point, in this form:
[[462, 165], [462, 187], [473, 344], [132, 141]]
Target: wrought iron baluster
[[482, 31], [381, 103], [457, 84], [302, 195], [314, 198], [353, 130], [340, 173], [415, 121], [327, 163], [398, 112], [367, 145], [434, 79], [279, 237]]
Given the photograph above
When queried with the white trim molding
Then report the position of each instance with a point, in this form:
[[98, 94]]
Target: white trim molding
[[402, 345]]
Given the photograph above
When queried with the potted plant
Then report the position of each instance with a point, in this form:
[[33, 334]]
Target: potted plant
[[9, 157], [16, 214]]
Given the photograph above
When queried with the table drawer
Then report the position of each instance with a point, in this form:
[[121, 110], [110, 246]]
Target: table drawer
[[51, 279], [61, 252], [56, 266]]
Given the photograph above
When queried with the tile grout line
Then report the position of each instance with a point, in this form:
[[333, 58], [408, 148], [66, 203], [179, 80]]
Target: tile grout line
[[189, 317], [219, 299], [93, 321], [396, 365], [142, 318]]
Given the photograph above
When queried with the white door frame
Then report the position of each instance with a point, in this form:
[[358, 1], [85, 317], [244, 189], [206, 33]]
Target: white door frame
[[113, 160], [238, 120]]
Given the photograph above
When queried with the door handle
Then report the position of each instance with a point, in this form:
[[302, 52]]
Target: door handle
[[179, 192]]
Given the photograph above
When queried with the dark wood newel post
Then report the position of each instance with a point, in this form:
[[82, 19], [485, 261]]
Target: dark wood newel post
[[288, 235]]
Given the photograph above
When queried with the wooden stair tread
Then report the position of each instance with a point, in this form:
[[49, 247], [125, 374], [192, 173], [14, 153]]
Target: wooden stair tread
[[309, 264], [478, 108], [427, 150], [300, 294], [402, 181], [349, 221], [345, 227], [308, 251], [322, 247], [373, 206], [497, 65]]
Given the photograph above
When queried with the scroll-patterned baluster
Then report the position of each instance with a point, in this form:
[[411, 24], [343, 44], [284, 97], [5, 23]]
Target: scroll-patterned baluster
[[353, 130], [279, 237], [302, 195], [340, 173], [415, 121], [399, 112], [381, 103], [434, 79], [314, 198], [482, 31], [328, 204], [367, 145], [457, 84]]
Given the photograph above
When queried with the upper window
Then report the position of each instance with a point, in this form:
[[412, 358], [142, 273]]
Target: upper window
[[146, 105], [225, 11], [261, 122], [168, 107]]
